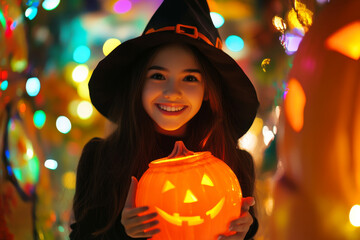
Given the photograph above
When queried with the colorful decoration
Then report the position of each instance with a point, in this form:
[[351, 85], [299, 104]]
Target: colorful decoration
[[318, 184], [195, 194]]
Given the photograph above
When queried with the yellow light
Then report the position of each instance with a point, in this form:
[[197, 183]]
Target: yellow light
[[279, 24], [110, 45], [346, 41], [72, 107], [265, 63], [84, 110], [83, 90], [294, 105], [190, 197], [206, 181], [69, 180], [80, 73], [354, 216], [168, 186]]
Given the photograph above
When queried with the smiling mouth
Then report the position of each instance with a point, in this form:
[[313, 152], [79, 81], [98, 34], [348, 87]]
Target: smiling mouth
[[178, 220], [168, 109]]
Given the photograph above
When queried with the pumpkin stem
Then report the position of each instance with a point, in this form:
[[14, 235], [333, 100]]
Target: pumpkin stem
[[180, 150]]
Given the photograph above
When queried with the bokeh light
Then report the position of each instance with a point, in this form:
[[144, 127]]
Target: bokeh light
[[265, 63], [63, 124], [69, 180], [354, 216], [50, 4], [81, 54], [32, 86], [217, 19], [31, 12], [294, 103], [80, 73], [83, 90], [110, 45], [4, 85], [51, 164], [39, 119], [84, 110], [234, 43], [122, 6]]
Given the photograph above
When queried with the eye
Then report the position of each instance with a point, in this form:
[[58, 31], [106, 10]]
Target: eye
[[167, 186], [191, 78], [157, 76], [206, 181]]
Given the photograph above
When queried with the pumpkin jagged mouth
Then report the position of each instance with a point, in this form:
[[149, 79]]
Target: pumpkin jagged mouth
[[176, 219]]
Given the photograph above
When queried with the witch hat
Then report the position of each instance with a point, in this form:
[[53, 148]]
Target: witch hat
[[177, 21]]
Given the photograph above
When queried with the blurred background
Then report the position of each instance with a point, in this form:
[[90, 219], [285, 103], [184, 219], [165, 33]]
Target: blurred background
[[48, 50]]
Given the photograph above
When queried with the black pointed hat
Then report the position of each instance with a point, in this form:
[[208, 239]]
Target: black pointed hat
[[178, 21]]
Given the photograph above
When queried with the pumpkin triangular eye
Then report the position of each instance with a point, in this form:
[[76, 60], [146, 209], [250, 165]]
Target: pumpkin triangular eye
[[167, 186], [190, 197], [207, 181]]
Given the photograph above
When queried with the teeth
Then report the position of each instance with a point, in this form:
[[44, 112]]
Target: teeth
[[171, 109]]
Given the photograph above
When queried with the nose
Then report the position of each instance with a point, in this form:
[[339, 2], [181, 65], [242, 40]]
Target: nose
[[172, 91]]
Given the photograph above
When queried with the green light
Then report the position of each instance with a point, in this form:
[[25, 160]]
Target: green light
[[39, 119], [4, 85], [49, 5], [2, 19], [61, 229], [34, 169]]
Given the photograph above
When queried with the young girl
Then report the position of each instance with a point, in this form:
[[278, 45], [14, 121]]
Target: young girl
[[172, 83]]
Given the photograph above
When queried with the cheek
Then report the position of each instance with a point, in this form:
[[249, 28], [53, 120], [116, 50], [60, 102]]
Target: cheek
[[195, 95]]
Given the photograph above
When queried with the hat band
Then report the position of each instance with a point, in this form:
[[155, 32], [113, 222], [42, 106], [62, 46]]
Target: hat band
[[190, 31]]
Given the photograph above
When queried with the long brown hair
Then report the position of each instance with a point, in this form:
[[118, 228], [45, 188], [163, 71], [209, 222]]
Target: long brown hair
[[135, 143]]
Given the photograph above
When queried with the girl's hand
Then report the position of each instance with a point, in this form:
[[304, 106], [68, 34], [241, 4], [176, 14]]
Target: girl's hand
[[242, 224], [133, 223]]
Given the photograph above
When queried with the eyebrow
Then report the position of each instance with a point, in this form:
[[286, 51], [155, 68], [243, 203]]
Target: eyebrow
[[190, 70]]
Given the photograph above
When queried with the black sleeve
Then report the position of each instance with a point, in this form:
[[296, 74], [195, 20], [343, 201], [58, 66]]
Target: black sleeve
[[82, 229], [247, 185]]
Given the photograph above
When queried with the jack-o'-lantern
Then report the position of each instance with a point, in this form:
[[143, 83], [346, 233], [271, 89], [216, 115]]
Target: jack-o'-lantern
[[320, 132], [195, 195]]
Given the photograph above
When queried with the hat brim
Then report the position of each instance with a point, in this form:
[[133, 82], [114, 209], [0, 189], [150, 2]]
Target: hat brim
[[239, 93]]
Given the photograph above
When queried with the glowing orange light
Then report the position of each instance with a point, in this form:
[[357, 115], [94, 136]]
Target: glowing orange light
[[196, 196], [346, 41], [294, 105]]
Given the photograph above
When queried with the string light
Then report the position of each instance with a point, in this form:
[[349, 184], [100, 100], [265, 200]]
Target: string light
[[51, 164], [122, 6], [32, 86], [81, 54], [80, 73], [49, 5], [110, 45], [63, 124], [39, 119], [217, 19], [234, 43], [354, 216]]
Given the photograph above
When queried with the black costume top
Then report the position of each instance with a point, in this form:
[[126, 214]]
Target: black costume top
[[82, 230]]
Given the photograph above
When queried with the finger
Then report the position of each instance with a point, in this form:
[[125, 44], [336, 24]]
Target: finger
[[139, 220], [140, 229], [236, 236], [244, 218], [242, 228], [133, 212], [147, 234], [247, 202], [130, 199]]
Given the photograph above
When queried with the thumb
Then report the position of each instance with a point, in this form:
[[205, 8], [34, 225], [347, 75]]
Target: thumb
[[247, 202], [130, 199]]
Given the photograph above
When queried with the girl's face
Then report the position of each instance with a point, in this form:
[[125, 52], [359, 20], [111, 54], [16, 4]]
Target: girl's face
[[174, 88]]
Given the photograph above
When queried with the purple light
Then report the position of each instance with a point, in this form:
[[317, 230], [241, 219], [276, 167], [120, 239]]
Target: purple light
[[122, 6]]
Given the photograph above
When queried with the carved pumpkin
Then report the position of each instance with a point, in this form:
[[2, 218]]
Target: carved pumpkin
[[195, 195], [319, 138]]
